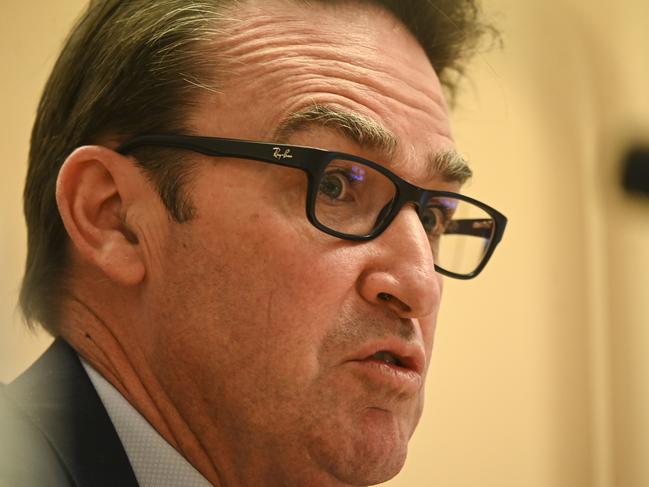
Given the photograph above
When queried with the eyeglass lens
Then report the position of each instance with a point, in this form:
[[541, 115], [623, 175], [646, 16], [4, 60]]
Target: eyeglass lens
[[354, 199]]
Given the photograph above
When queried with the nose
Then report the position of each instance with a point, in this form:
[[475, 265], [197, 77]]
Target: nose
[[401, 275]]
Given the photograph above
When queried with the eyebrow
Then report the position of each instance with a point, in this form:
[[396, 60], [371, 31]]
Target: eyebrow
[[451, 166], [371, 135]]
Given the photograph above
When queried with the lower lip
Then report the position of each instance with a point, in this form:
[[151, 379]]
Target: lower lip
[[391, 376]]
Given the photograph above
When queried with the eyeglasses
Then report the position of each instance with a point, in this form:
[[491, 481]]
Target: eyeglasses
[[356, 199]]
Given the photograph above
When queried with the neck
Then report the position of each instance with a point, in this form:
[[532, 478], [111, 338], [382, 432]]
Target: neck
[[117, 357], [116, 353]]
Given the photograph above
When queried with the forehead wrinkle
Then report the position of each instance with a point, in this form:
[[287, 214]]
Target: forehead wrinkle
[[292, 81], [259, 36], [317, 59], [270, 42], [255, 23], [362, 130], [374, 89], [255, 45]]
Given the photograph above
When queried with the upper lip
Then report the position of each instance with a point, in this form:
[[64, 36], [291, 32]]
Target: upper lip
[[410, 354]]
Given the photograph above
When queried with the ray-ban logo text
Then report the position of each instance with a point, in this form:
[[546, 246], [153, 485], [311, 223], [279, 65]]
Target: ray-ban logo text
[[278, 154]]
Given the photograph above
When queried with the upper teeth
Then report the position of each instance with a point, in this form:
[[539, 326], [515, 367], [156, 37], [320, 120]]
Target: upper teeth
[[386, 357]]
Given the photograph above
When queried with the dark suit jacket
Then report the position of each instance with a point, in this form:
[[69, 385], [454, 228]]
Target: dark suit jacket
[[54, 430]]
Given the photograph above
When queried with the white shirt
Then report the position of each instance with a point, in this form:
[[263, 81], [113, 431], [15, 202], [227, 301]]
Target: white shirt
[[154, 461]]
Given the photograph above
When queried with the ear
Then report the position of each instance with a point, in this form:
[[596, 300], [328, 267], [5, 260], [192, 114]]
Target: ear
[[94, 190]]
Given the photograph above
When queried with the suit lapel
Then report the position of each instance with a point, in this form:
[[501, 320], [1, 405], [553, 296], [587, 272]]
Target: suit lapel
[[59, 398]]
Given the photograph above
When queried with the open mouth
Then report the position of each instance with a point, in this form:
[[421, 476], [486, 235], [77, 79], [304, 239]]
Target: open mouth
[[388, 358], [397, 370], [393, 356]]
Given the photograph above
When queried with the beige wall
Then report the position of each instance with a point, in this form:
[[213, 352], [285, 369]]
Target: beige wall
[[31, 34], [541, 372]]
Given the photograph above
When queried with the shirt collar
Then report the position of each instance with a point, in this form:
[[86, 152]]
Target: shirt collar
[[154, 461]]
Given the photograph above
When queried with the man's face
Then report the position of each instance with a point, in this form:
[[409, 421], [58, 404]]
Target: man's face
[[260, 327]]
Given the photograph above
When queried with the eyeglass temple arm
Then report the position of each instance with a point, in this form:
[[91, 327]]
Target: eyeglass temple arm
[[477, 227], [212, 146]]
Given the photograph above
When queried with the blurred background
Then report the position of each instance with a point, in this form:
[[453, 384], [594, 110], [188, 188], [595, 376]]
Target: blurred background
[[540, 377]]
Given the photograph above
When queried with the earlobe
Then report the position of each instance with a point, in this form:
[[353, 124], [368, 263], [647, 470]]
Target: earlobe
[[93, 194]]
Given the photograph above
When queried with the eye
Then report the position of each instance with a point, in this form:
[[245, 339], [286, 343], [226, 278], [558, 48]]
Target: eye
[[434, 219], [334, 185]]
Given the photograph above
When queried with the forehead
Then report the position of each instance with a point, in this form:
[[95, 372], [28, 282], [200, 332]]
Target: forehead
[[284, 56]]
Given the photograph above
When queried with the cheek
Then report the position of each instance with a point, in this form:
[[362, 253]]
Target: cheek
[[245, 303], [264, 286]]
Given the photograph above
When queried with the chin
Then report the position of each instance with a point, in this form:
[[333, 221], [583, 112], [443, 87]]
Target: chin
[[369, 451]]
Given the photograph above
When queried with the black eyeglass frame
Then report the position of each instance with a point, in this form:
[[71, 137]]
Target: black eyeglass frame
[[313, 162]]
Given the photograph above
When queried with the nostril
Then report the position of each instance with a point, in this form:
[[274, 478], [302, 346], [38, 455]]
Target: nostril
[[394, 301]]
